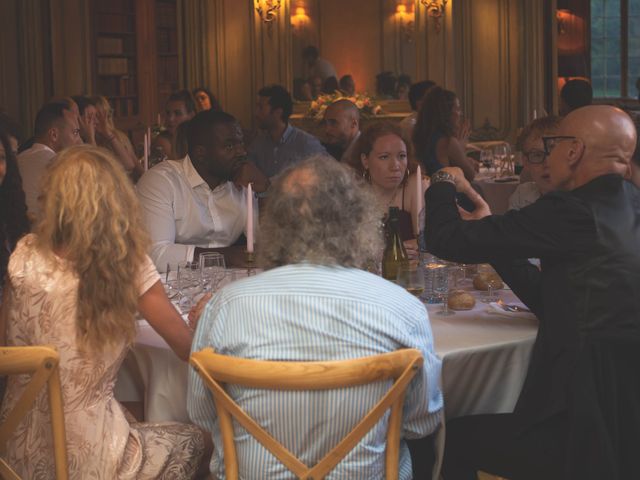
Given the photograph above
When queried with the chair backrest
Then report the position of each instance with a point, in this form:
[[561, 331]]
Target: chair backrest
[[42, 363], [400, 366]]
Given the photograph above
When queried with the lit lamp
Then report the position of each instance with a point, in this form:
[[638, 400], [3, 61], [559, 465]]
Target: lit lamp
[[300, 19], [405, 19], [267, 9], [435, 9]]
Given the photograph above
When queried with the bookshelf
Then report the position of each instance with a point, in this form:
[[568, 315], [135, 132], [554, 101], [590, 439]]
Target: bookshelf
[[136, 58]]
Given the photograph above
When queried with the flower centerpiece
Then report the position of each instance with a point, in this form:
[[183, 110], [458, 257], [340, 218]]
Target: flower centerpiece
[[367, 106]]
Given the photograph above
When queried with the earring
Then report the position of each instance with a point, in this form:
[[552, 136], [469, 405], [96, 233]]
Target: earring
[[406, 176], [366, 175]]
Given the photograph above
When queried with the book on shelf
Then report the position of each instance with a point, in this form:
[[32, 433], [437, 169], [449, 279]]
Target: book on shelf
[[109, 45], [112, 66]]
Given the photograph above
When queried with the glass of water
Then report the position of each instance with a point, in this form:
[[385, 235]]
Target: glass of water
[[212, 266], [441, 288], [189, 284]]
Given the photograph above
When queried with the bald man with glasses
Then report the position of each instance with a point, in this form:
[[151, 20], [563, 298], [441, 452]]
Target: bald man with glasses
[[578, 414]]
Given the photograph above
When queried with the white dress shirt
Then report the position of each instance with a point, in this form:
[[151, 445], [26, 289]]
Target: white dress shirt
[[181, 212], [33, 164]]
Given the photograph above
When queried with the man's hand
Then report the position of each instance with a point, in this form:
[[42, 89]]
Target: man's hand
[[246, 172]]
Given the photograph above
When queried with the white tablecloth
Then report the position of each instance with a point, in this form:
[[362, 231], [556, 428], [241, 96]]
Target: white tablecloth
[[485, 358]]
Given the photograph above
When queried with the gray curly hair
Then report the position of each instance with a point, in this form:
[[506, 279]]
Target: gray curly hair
[[319, 213]]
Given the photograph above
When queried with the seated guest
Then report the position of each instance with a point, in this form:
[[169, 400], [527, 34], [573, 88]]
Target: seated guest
[[13, 208], [416, 93], [315, 86], [76, 285], [578, 411], [341, 128], [191, 205], [386, 85], [402, 87], [381, 156], [440, 135], [535, 162], [315, 303], [575, 93], [348, 85], [279, 144], [205, 100], [109, 137], [330, 86], [316, 65], [179, 108], [162, 147], [87, 118], [56, 128]]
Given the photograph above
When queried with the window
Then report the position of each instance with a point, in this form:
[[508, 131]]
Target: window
[[615, 47]]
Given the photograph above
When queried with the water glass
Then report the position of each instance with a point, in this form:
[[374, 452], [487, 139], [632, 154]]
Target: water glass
[[493, 283], [171, 286], [189, 283], [411, 278], [212, 266], [441, 287], [430, 266], [486, 159]]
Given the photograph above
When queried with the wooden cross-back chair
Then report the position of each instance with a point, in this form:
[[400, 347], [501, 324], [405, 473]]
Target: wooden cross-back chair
[[400, 365], [42, 363]]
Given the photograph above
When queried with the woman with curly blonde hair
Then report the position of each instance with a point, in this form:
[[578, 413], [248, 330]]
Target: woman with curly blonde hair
[[77, 284]]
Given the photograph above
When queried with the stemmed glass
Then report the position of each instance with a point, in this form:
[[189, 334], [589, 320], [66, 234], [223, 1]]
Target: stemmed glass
[[212, 267], [441, 287], [411, 278], [493, 282], [486, 159], [500, 153], [171, 284]]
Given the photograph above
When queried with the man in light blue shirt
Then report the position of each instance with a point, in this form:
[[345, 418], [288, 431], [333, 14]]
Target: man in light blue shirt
[[316, 303], [279, 144]]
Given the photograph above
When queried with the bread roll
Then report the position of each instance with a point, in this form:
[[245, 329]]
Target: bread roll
[[481, 279], [461, 300]]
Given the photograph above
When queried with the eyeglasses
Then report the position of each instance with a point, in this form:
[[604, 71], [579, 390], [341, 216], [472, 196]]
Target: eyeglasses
[[550, 142], [535, 157]]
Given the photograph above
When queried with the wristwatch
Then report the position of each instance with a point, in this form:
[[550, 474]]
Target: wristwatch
[[442, 176]]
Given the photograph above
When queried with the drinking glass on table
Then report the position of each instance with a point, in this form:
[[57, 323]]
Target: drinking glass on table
[[212, 266], [486, 159], [441, 288], [500, 153], [411, 278], [493, 281], [171, 286], [190, 284]]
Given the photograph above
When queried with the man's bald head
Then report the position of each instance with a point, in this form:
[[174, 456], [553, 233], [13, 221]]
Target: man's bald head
[[592, 141], [341, 123]]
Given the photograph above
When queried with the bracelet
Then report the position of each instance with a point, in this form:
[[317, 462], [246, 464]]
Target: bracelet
[[441, 176]]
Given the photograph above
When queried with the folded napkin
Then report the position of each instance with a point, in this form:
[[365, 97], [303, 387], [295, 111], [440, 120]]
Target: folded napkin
[[495, 309]]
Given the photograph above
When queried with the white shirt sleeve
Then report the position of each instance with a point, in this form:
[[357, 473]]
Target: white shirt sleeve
[[157, 196]]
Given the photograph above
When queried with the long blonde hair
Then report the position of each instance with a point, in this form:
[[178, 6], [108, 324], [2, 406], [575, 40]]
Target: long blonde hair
[[90, 217]]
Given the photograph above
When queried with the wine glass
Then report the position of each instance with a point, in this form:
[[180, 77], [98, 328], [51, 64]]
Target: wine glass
[[212, 266], [441, 287], [486, 159], [500, 153], [493, 282], [411, 278]]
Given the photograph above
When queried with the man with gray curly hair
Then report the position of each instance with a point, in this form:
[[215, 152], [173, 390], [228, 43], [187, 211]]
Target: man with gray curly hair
[[316, 303]]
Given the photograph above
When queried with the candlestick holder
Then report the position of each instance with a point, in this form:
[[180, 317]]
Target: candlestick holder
[[250, 258]]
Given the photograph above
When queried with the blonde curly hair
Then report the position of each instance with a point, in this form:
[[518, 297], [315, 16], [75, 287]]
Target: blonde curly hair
[[90, 217]]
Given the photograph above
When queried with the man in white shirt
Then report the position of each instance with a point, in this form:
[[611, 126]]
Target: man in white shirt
[[192, 205], [56, 128], [316, 65], [341, 128]]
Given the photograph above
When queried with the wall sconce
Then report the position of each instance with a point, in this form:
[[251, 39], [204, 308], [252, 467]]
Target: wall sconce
[[267, 9], [435, 9], [406, 21], [562, 18], [300, 19]]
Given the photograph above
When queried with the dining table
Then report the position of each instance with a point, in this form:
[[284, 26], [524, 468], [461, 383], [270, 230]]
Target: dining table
[[485, 354], [496, 190]]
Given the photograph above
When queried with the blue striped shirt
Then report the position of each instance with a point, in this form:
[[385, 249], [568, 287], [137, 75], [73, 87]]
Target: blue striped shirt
[[313, 313]]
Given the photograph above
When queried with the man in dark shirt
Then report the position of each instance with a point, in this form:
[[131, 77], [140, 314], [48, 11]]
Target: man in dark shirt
[[578, 415]]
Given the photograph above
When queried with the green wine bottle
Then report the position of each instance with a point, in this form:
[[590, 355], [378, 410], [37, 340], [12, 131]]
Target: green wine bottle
[[394, 254]]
